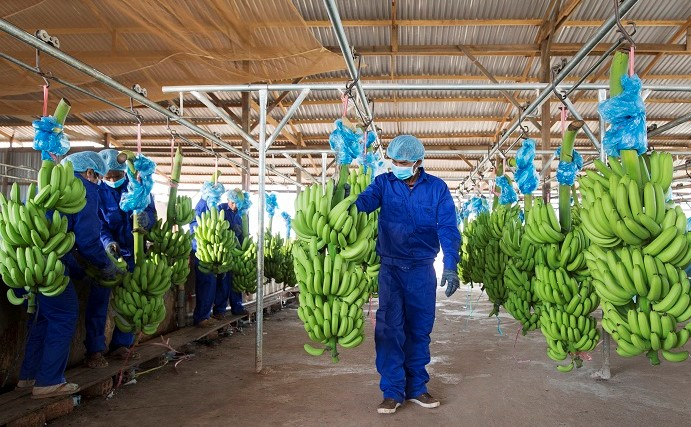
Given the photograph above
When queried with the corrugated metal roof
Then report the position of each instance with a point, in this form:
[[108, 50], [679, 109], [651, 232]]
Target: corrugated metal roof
[[471, 9], [644, 9], [466, 35]]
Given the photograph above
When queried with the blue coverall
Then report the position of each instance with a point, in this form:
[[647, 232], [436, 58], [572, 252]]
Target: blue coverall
[[116, 227], [226, 292], [412, 224], [209, 287], [53, 325]]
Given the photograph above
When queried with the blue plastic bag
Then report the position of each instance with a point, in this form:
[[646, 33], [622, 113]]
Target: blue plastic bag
[[508, 194], [526, 176], [345, 142], [50, 138], [567, 171], [478, 205], [288, 220], [139, 186], [626, 113], [212, 193], [271, 204]]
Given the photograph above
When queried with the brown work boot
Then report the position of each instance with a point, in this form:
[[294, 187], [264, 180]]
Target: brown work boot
[[388, 406], [425, 400]]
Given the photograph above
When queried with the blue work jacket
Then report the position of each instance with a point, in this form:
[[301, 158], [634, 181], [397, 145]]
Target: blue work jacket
[[413, 222]]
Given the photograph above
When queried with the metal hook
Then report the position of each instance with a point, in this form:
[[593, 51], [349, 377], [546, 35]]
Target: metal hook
[[620, 27]]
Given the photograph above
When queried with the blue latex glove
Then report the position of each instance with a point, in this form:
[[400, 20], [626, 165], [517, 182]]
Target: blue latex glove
[[450, 278]]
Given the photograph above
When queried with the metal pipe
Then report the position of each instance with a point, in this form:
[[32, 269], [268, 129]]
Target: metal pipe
[[343, 43], [589, 133], [402, 86], [582, 53], [602, 97], [225, 117], [210, 151], [258, 362], [324, 170], [293, 108], [64, 83], [670, 125], [299, 166], [34, 42]]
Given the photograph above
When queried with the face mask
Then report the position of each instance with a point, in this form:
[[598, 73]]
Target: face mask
[[115, 184], [402, 172]]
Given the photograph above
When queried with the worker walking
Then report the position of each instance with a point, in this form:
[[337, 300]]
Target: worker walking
[[53, 325], [417, 215], [117, 238]]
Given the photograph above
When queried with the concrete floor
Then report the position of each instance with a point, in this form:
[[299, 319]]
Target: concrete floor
[[481, 377]]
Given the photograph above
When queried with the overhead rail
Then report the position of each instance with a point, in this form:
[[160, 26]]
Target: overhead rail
[[39, 45]]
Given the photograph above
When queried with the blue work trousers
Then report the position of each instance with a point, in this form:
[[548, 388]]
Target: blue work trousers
[[225, 294], [95, 322], [51, 330], [206, 288], [407, 297]]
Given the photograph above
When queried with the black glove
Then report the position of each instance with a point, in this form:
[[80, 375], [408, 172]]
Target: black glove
[[113, 249], [450, 278], [143, 221], [110, 272]]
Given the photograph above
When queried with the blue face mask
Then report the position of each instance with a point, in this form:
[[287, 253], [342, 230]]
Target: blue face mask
[[115, 184], [402, 172]]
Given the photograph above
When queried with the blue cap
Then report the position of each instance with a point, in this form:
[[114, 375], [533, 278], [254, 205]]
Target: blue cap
[[406, 148], [85, 160], [110, 157]]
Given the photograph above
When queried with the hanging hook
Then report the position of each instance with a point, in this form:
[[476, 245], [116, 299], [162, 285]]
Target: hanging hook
[[620, 26]]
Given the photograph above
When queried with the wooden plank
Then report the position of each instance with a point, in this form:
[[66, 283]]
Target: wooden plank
[[17, 404]]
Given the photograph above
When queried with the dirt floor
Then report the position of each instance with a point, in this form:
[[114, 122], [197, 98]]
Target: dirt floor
[[481, 377]]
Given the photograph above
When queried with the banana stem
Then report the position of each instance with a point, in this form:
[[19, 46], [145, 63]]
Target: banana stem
[[631, 165], [527, 203], [566, 155], [499, 171], [618, 69], [138, 239], [173, 192], [339, 193], [31, 303], [62, 110]]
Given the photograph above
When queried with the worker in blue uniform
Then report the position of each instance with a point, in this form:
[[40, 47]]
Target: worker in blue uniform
[[225, 292], [206, 284], [417, 215], [53, 325], [117, 238]]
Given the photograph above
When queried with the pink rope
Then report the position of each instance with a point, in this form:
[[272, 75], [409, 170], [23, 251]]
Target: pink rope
[[139, 138], [632, 55], [45, 100], [344, 101]]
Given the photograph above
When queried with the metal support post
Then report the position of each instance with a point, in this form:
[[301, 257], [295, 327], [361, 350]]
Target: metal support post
[[293, 108], [324, 169], [258, 363], [601, 97], [246, 175]]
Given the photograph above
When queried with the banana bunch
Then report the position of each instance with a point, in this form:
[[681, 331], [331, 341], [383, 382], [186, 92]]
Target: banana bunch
[[495, 259], [286, 271], [618, 208], [151, 276], [244, 267], [184, 213], [59, 189], [138, 303], [475, 240], [567, 333], [661, 290], [273, 255], [637, 331], [180, 271], [215, 242], [172, 244], [542, 225], [32, 246], [639, 252], [521, 302], [332, 292], [136, 312]]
